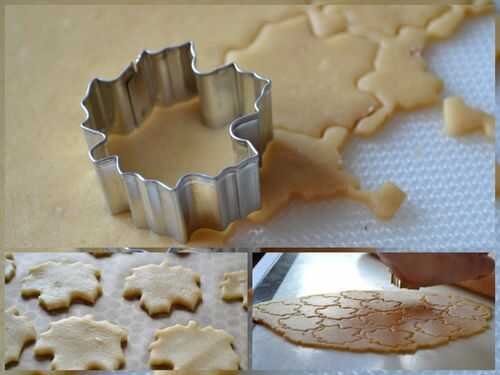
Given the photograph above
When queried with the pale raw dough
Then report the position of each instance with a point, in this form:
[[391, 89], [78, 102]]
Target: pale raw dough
[[461, 119], [19, 330], [387, 19], [377, 321], [299, 166], [160, 286], [9, 267], [193, 348], [58, 284], [162, 148], [446, 25], [235, 286], [400, 79], [323, 72], [82, 343]]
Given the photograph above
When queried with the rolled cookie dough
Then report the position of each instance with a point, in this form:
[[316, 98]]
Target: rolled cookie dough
[[58, 284], [19, 330], [82, 343], [235, 286], [193, 348], [376, 321], [9, 267], [160, 286], [460, 119]]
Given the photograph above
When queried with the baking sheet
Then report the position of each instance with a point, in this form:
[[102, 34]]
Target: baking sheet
[[449, 181], [111, 306], [327, 273]]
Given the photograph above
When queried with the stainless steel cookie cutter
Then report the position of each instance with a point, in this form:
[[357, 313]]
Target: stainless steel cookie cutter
[[227, 95], [400, 283]]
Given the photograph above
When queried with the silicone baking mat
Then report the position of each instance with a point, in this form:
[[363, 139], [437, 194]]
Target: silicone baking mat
[[449, 181], [303, 274], [111, 306]]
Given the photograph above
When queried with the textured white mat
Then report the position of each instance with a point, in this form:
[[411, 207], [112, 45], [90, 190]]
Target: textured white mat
[[449, 181]]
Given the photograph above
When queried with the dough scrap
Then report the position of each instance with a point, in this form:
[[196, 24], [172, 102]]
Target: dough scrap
[[461, 119], [400, 79], [19, 330], [438, 20], [160, 286], [444, 26], [387, 19], [297, 166], [9, 267], [190, 347], [235, 286], [82, 343], [376, 321], [58, 284], [326, 21], [322, 68]]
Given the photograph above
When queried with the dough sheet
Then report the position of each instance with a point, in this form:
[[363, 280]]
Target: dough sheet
[[377, 321]]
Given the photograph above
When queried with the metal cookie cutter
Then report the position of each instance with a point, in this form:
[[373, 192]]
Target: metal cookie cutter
[[400, 283], [227, 95]]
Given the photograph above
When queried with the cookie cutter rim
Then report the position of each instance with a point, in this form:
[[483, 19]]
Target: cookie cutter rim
[[248, 144], [400, 283]]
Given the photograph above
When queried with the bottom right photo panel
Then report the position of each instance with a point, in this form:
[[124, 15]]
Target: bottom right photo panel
[[354, 310]]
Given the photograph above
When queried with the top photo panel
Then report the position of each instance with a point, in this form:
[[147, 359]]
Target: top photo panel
[[250, 126]]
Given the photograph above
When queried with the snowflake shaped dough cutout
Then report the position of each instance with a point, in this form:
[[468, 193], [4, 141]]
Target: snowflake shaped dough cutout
[[160, 286], [235, 286], [82, 343], [58, 284], [193, 348], [19, 331]]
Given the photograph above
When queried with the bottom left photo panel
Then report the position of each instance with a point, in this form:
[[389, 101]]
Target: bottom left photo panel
[[126, 310]]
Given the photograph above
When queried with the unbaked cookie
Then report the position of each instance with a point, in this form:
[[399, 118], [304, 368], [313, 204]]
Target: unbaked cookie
[[9, 267], [160, 286], [58, 284], [19, 330], [460, 119], [235, 286], [377, 321], [82, 343], [193, 348]]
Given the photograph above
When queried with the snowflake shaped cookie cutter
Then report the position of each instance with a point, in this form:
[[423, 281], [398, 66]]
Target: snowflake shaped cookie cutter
[[228, 95]]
